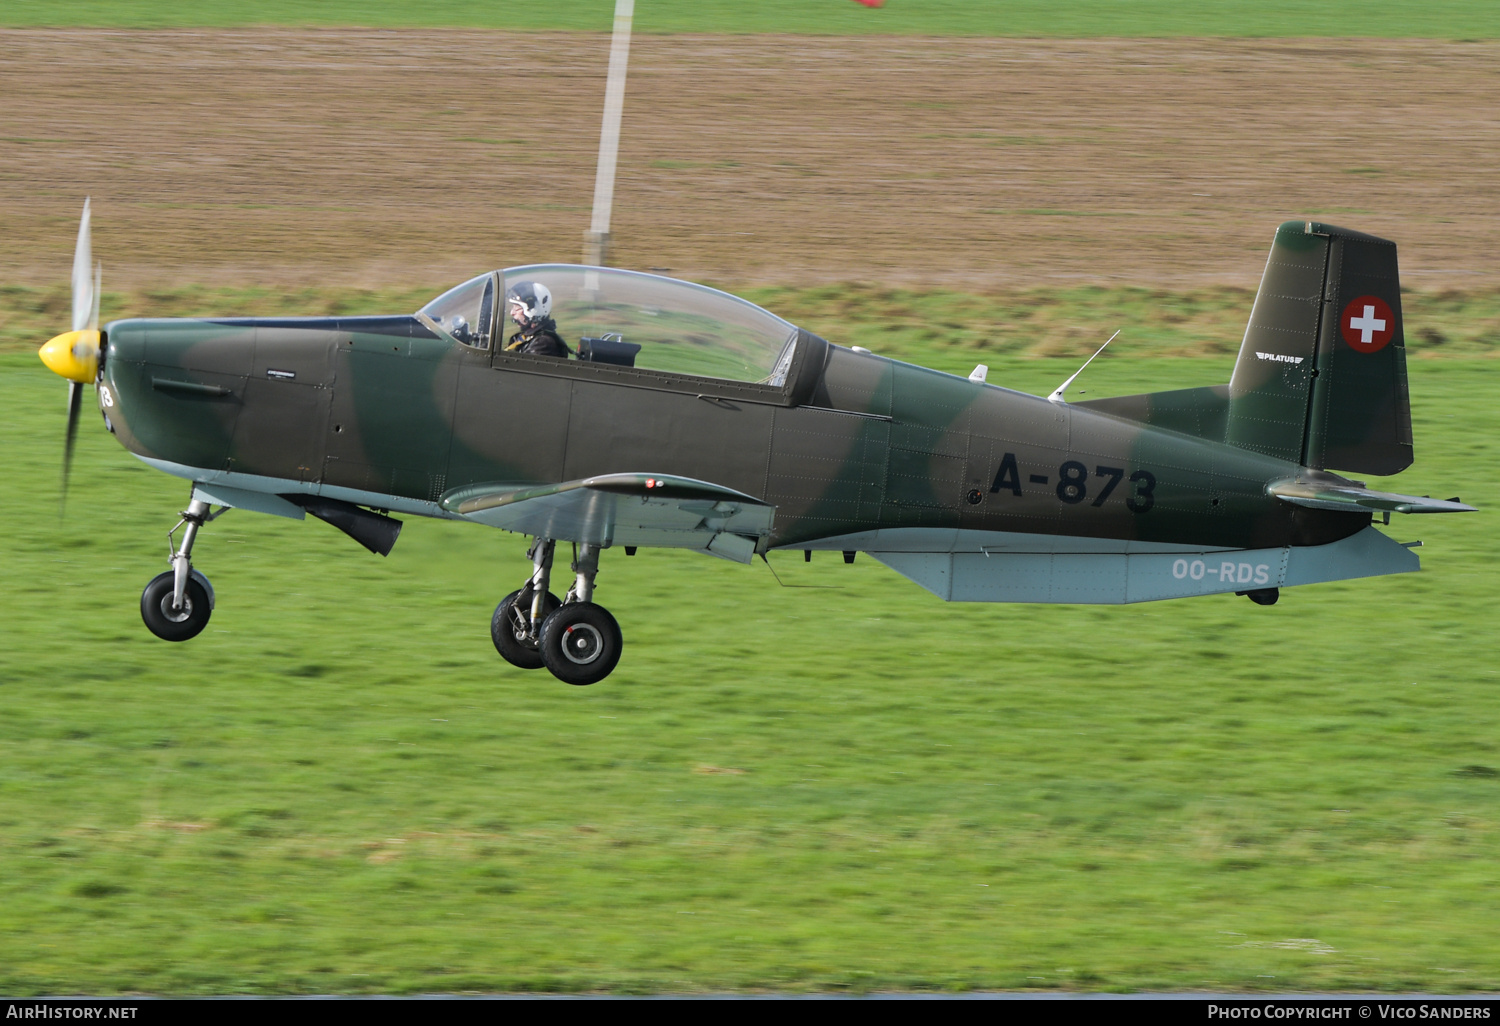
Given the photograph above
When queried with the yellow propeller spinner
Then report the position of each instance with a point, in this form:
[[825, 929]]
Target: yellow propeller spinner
[[73, 355]]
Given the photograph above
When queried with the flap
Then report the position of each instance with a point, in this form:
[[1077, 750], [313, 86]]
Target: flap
[[654, 510], [1351, 498]]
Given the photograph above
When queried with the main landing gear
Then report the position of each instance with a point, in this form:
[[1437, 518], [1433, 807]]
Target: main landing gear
[[578, 641], [176, 605]]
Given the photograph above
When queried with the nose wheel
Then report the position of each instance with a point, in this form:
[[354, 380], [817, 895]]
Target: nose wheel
[[176, 604], [578, 641], [183, 621]]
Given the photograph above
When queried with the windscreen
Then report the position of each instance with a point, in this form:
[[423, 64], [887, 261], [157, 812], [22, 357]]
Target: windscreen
[[465, 312]]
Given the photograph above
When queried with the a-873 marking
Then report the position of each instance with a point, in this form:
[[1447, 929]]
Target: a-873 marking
[[1072, 483]]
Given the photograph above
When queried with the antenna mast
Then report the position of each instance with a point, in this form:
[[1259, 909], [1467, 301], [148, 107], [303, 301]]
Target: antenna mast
[[596, 239], [1057, 395]]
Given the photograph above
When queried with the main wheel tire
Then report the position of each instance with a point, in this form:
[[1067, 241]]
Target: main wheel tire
[[581, 643], [176, 624], [509, 633]]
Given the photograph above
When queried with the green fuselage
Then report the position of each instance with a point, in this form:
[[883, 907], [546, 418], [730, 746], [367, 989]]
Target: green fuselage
[[384, 412]]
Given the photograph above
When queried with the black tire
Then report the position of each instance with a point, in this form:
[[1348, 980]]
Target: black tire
[[179, 625], [509, 635], [581, 643]]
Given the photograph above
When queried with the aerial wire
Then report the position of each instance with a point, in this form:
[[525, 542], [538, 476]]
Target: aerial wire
[[596, 239]]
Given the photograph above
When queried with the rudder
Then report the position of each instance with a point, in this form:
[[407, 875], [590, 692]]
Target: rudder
[[1321, 375]]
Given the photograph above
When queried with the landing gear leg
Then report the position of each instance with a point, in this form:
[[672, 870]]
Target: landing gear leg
[[176, 605], [518, 618], [586, 567], [580, 642], [541, 579]]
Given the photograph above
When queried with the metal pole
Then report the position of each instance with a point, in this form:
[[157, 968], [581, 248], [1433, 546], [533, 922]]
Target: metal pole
[[596, 239]]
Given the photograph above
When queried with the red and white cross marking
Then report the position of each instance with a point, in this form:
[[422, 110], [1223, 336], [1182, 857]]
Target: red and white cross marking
[[1367, 324]]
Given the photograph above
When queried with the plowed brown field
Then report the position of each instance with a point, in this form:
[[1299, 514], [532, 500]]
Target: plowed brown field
[[378, 158]]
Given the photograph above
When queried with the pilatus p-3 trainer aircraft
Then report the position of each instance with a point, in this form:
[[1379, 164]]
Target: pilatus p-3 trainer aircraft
[[684, 417]]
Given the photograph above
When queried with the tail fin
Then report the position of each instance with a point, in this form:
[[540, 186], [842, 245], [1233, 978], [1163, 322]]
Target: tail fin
[[1321, 375]]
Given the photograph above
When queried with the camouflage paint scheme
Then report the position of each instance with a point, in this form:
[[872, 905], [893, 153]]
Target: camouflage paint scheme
[[394, 415]]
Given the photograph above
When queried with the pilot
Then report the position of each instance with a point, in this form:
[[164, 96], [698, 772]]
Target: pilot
[[530, 306]]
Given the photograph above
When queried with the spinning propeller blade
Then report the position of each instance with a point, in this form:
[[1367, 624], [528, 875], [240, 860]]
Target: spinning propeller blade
[[74, 355], [75, 402], [93, 324], [83, 279]]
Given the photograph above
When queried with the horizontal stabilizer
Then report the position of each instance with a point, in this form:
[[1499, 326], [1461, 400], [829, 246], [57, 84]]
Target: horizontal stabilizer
[[1351, 498], [654, 510]]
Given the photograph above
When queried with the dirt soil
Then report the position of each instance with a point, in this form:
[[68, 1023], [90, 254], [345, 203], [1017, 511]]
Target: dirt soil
[[379, 158]]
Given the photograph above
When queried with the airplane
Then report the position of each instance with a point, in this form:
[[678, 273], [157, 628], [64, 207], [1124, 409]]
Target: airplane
[[685, 417]]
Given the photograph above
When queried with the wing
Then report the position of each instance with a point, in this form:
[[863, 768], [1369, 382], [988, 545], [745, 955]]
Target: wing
[[1352, 499], [654, 510]]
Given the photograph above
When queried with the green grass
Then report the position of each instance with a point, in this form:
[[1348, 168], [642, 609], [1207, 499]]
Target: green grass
[[842, 785], [1468, 19], [953, 330]]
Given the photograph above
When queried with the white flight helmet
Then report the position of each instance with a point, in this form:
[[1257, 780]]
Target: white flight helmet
[[528, 302]]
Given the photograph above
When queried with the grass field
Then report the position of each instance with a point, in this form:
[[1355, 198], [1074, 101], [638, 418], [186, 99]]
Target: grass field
[[971, 164], [1075, 18], [842, 784]]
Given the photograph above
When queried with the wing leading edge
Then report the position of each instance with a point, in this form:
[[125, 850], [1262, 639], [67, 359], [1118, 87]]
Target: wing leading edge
[[654, 510]]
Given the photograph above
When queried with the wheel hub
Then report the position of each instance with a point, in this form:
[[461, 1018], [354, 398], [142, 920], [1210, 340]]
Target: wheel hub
[[520, 629], [176, 615], [582, 644]]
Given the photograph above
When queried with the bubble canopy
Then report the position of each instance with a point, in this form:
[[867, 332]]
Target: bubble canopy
[[680, 326]]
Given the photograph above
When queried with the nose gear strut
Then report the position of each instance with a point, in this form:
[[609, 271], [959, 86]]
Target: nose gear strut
[[176, 604]]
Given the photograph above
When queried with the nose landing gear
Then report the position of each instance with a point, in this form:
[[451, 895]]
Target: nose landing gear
[[176, 604], [577, 641]]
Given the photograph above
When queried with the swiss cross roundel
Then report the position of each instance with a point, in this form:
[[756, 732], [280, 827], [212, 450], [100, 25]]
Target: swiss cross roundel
[[1367, 324]]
